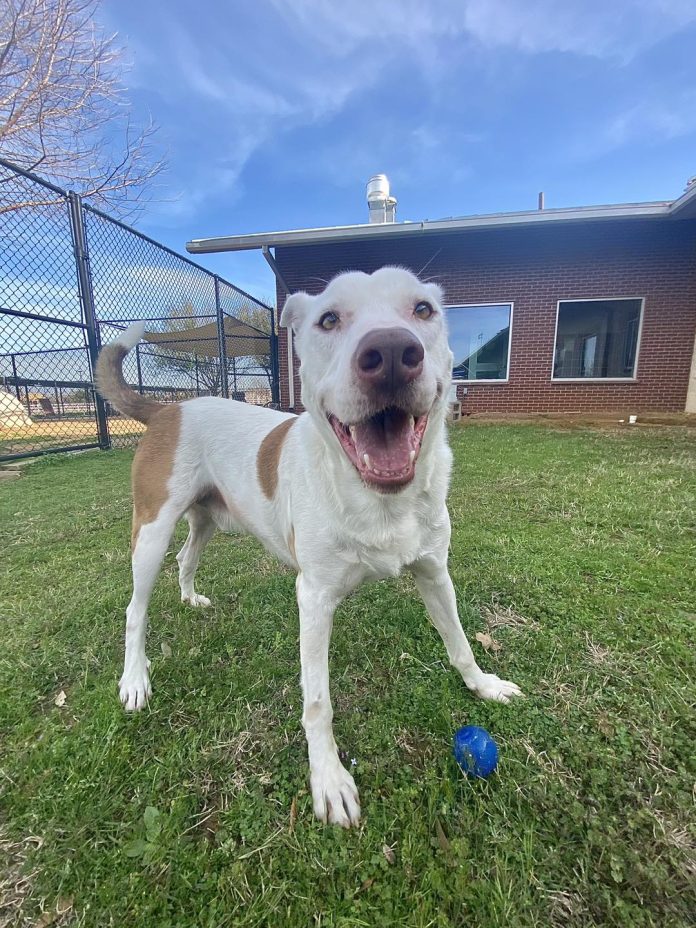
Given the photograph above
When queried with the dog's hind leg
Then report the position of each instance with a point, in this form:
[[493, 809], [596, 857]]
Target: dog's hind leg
[[148, 553], [201, 530]]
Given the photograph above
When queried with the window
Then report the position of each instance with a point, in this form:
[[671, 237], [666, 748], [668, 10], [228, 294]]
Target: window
[[479, 336], [597, 339]]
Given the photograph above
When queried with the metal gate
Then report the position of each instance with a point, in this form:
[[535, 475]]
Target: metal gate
[[71, 278]]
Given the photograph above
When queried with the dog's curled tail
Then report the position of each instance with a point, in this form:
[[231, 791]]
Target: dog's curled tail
[[111, 383]]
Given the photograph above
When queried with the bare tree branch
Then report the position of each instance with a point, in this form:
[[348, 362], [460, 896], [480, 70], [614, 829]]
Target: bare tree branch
[[63, 105]]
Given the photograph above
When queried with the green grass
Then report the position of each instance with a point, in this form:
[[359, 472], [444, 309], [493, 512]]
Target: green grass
[[574, 548]]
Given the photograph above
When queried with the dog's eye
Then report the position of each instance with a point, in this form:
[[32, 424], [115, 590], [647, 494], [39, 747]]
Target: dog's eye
[[328, 321], [423, 310]]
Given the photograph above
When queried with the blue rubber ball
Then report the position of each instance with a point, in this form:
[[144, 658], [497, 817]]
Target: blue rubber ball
[[475, 751]]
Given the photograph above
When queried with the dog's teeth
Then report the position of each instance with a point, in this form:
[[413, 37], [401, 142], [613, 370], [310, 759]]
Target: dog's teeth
[[366, 461], [413, 422], [412, 457]]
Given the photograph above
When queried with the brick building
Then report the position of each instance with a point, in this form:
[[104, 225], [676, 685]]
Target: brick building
[[563, 310]]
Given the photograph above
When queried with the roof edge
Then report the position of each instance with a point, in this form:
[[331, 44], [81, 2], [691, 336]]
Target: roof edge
[[687, 199], [654, 210]]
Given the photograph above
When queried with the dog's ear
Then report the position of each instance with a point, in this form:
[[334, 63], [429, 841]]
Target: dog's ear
[[295, 307]]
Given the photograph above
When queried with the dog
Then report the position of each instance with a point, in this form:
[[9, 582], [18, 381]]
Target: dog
[[354, 489]]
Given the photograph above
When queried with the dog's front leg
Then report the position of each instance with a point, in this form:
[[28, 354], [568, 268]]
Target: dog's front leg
[[334, 794], [435, 586]]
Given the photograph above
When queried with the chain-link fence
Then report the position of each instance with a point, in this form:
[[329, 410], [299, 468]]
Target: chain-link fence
[[72, 278]]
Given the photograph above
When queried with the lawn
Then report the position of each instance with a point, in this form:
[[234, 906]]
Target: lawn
[[574, 550]]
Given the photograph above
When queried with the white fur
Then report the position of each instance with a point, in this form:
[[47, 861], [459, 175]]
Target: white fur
[[344, 531], [130, 337]]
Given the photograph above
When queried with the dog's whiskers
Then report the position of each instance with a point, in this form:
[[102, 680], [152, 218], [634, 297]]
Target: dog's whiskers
[[427, 264]]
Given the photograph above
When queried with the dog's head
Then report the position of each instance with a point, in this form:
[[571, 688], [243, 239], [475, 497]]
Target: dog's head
[[375, 366]]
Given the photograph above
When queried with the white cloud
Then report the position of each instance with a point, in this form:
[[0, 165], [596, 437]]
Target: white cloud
[[341, 28], [650, 121], [653, 120], [211, 74], [589, 27], [249, 81], [239, 100]]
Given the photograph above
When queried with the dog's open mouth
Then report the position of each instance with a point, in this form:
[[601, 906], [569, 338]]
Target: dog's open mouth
[[384, 448]]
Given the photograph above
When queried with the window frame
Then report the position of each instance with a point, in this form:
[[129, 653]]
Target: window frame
[[600, 299], [449, 306]]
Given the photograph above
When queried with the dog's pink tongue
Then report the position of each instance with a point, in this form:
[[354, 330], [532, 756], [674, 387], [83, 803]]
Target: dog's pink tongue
[[387, 440]]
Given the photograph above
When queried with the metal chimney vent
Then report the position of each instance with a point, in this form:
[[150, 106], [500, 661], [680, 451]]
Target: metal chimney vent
[[382, 206]]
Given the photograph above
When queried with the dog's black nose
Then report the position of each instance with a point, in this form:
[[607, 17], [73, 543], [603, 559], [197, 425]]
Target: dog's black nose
[[387, 359]]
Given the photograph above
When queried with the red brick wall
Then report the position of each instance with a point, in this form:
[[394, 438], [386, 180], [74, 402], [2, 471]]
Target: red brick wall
[[534, 268]]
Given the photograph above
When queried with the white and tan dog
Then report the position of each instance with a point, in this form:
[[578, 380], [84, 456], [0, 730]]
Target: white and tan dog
[[352, 490]]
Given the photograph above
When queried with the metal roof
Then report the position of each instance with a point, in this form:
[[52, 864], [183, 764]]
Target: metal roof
[[683, 207]]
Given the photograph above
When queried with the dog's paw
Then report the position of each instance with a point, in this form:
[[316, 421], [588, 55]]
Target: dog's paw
[[134, 688], [488, 686], [335, 795], [196, 600]]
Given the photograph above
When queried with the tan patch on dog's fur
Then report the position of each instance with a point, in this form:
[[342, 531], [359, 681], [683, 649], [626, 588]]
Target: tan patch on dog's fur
[[153, 465], [113, 387], [269, 456]]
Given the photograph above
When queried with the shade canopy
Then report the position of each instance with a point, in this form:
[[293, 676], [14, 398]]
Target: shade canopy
[[241, 340]]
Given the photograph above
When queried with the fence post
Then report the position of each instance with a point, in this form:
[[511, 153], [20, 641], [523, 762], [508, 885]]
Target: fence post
[[222, 347], [140, 370], [16, 379], [84, 282], [275, 367]]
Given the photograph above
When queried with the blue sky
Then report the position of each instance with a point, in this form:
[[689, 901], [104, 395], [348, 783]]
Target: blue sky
[[274, 114]]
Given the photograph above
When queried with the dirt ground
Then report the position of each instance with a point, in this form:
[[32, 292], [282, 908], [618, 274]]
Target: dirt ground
[[60, 428], [44, 435]]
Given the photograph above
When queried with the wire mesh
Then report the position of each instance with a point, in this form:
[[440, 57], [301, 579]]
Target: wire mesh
[[204, 336], [46, 392], [251, 372], [133, 277], [37, 261]]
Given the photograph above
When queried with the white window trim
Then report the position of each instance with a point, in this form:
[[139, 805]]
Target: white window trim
[[600, 299], [511, 304]]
